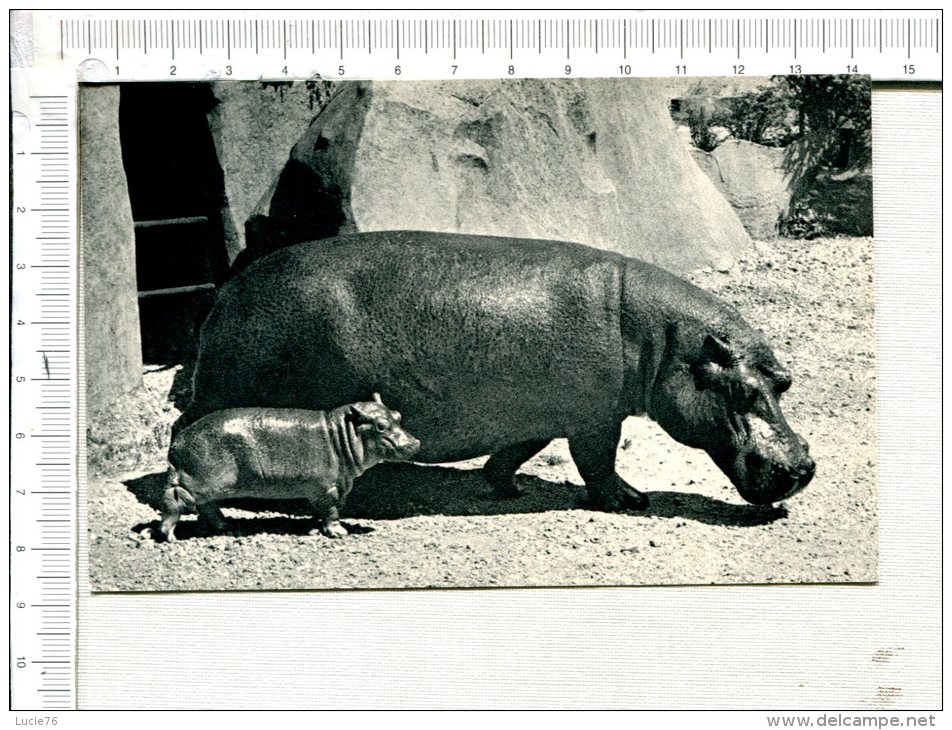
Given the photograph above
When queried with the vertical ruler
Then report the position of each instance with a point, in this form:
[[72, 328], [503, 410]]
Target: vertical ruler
[[43, 404]]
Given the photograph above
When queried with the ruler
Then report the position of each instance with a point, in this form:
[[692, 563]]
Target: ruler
[[52, 51], [43, 404], [888, 45]]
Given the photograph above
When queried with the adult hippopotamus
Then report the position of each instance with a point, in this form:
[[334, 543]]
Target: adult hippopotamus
[[496, 346]]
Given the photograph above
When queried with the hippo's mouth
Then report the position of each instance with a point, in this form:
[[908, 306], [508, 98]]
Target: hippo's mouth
[[766, 463], [762, 481], [394, 451]]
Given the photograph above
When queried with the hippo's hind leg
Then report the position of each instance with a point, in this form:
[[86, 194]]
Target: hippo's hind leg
[[180, 499], [594, 455], [500, 470]]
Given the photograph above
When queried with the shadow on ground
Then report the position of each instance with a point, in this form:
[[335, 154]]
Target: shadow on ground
[[397, 491]]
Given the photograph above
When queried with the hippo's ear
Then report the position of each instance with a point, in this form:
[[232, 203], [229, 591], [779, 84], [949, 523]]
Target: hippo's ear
[[717, 351], [376, 398]]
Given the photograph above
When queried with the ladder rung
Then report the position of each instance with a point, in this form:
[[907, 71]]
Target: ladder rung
[[191, 220], [175, 290]]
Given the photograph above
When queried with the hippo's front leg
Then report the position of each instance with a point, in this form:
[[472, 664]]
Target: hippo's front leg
[[211, 514], [325, 507], [594, 455]]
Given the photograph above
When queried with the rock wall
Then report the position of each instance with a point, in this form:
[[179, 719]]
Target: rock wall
[[254, 126], [595, 161], [752, 179], [110, 299], [761, 185]]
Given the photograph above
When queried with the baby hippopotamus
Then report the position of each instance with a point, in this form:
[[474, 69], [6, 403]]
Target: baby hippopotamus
[[280, 453]]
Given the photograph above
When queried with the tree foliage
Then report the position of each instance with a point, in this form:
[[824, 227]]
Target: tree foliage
[[834, 111]]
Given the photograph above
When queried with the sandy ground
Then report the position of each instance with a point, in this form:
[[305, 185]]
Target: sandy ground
[[438, 526]]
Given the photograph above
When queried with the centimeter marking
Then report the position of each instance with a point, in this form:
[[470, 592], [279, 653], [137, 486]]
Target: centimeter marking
[[368, 35], [43, 408], [887, 41]]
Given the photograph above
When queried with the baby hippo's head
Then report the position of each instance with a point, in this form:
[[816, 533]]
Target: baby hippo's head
[[380, 433]]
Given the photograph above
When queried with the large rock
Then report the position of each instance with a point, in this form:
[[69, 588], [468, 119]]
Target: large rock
[[595, 161], [254, 125], [752, 178], [774, 192], [110, 298]]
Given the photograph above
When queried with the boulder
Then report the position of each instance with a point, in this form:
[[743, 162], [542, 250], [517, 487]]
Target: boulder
[[108, 268], [254, 125], [596, 161], [752, 179]]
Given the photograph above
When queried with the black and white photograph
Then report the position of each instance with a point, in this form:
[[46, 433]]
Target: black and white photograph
[[478, 334]]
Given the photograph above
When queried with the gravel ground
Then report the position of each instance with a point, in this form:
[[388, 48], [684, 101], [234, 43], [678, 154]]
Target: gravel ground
[[438, 526]]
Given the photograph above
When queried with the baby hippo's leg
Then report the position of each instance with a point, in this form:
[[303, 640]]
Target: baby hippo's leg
[[325, 507], [176, 501], [331, 523]]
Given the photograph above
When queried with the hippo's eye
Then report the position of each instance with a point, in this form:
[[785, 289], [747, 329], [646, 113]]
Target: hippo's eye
[[782, 385], [380, 426]]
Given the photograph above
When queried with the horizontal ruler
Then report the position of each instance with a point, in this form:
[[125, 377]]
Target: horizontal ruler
[[887, 45]]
